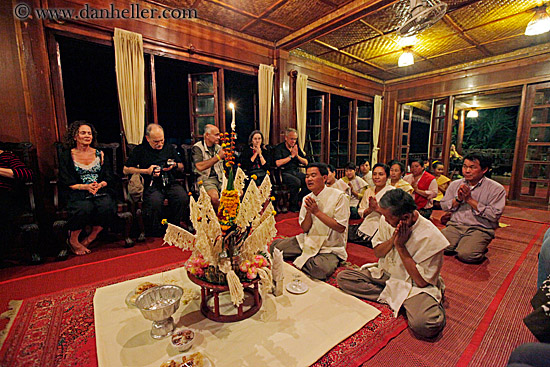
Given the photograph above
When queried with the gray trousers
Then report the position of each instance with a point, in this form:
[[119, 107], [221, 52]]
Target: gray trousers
[[469, 243], [320, 266], [426, 316]]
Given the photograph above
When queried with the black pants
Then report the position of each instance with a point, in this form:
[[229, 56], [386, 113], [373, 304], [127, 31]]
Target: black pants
[[296, 182], [95, 211], [153, 199], [10, 210]]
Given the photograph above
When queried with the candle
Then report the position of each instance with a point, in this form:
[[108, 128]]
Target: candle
[[232, 106]]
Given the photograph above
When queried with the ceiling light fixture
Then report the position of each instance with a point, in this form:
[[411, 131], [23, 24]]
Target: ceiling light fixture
[[472, 114], [407, 41], [406, 58], [539, 24]]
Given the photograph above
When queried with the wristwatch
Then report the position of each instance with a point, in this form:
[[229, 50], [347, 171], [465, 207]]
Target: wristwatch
[[458, 200]]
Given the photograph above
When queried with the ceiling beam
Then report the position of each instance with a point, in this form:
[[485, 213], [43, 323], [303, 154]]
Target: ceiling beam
[[337, 19], [461, 32], [265, 13], [354, 57]]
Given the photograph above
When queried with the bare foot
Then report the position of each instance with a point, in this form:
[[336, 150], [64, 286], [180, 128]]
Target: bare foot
[[92, 236], [77, 248]]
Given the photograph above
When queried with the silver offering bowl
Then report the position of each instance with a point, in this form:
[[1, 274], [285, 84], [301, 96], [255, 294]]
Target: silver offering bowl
[[158, 304]]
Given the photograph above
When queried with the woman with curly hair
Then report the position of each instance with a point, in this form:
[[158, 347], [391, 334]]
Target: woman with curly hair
[[86, 178]]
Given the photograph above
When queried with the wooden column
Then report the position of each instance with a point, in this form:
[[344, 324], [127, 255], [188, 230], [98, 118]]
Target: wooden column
[[460, 134]]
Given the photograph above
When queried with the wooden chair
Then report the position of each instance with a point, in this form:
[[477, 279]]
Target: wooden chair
[[123, 203], [27, 223], [191, 178]]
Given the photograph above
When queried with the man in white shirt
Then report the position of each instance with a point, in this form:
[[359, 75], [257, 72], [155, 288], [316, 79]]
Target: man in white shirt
[[324, 219], [410, 251]]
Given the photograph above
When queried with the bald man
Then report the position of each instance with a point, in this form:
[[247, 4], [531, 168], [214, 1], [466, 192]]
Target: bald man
[[157, 162], [208, 160]]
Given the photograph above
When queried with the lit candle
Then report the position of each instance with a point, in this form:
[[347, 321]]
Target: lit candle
[[232, 106]]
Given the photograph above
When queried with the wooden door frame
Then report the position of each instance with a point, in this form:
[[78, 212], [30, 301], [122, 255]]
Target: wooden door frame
[[522, 139]]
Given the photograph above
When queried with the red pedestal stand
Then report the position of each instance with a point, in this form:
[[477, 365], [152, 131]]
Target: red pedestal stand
[[209, 290]]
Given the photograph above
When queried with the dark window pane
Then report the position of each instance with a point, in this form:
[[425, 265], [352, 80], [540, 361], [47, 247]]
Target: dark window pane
[[538, 153], [539, 135], [203, 83], [540, 116]]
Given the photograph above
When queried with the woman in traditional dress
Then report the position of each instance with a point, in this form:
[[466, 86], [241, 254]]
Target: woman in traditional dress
[[424, 187], [442, 182], [397, 169], [368, 207]]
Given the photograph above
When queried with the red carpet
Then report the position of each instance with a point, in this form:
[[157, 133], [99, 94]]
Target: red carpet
[[57, 329]]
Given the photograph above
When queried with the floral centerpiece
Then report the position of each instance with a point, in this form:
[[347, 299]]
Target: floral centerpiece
[[230, 246]]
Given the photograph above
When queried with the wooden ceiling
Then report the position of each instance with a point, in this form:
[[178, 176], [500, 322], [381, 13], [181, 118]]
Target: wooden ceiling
[[362, 35]]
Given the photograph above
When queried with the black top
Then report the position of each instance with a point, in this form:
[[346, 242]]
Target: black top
[[248, 166], [143, 157], [68, 177], [281, 151]]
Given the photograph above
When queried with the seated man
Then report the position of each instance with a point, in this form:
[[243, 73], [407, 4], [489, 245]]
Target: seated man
[[410, 251], [208, 158], [324, 219], [289, 156], [156, 162], [357, 188], [475, 203]]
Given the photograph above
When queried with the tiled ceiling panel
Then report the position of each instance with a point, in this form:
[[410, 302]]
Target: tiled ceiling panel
[[516, 43], [222, 16], [485, 11], [348, 35], [267, 31], [472, 30], [255, 7], [373, 48], [461, 57], [441, 46], [338, 58], [387, 61], [501, 29], [314, 49], [299, 13], [390, 18]]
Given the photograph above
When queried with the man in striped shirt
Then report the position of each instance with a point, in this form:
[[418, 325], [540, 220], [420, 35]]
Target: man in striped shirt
[[12, 174]]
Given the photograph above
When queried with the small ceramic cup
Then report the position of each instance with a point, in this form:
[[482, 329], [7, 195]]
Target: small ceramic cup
[[182, 339]]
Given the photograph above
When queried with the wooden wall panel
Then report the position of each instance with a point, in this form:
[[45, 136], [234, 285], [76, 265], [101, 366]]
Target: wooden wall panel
[[13, 121]]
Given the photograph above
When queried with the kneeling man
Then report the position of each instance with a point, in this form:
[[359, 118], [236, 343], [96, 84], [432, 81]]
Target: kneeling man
[[475, 204], [324, 219], [410, 251]]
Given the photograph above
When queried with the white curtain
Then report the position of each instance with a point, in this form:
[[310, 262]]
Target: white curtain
[[265, 91], [301, 108], [376, 129], [129, 67]]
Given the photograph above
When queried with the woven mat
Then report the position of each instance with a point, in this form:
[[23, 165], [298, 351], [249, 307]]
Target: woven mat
[[58, 330]]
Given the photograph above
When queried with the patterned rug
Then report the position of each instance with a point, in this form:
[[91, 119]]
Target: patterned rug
[[58, 330]]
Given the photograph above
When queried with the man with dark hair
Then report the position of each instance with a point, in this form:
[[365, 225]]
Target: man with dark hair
[[333, 182], [410, 251], [156, 162], [357, 188], [324, 219], [475, 204], [288, 156]]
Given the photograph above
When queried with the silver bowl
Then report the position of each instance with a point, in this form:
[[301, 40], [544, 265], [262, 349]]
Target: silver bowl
[[158, 304]]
